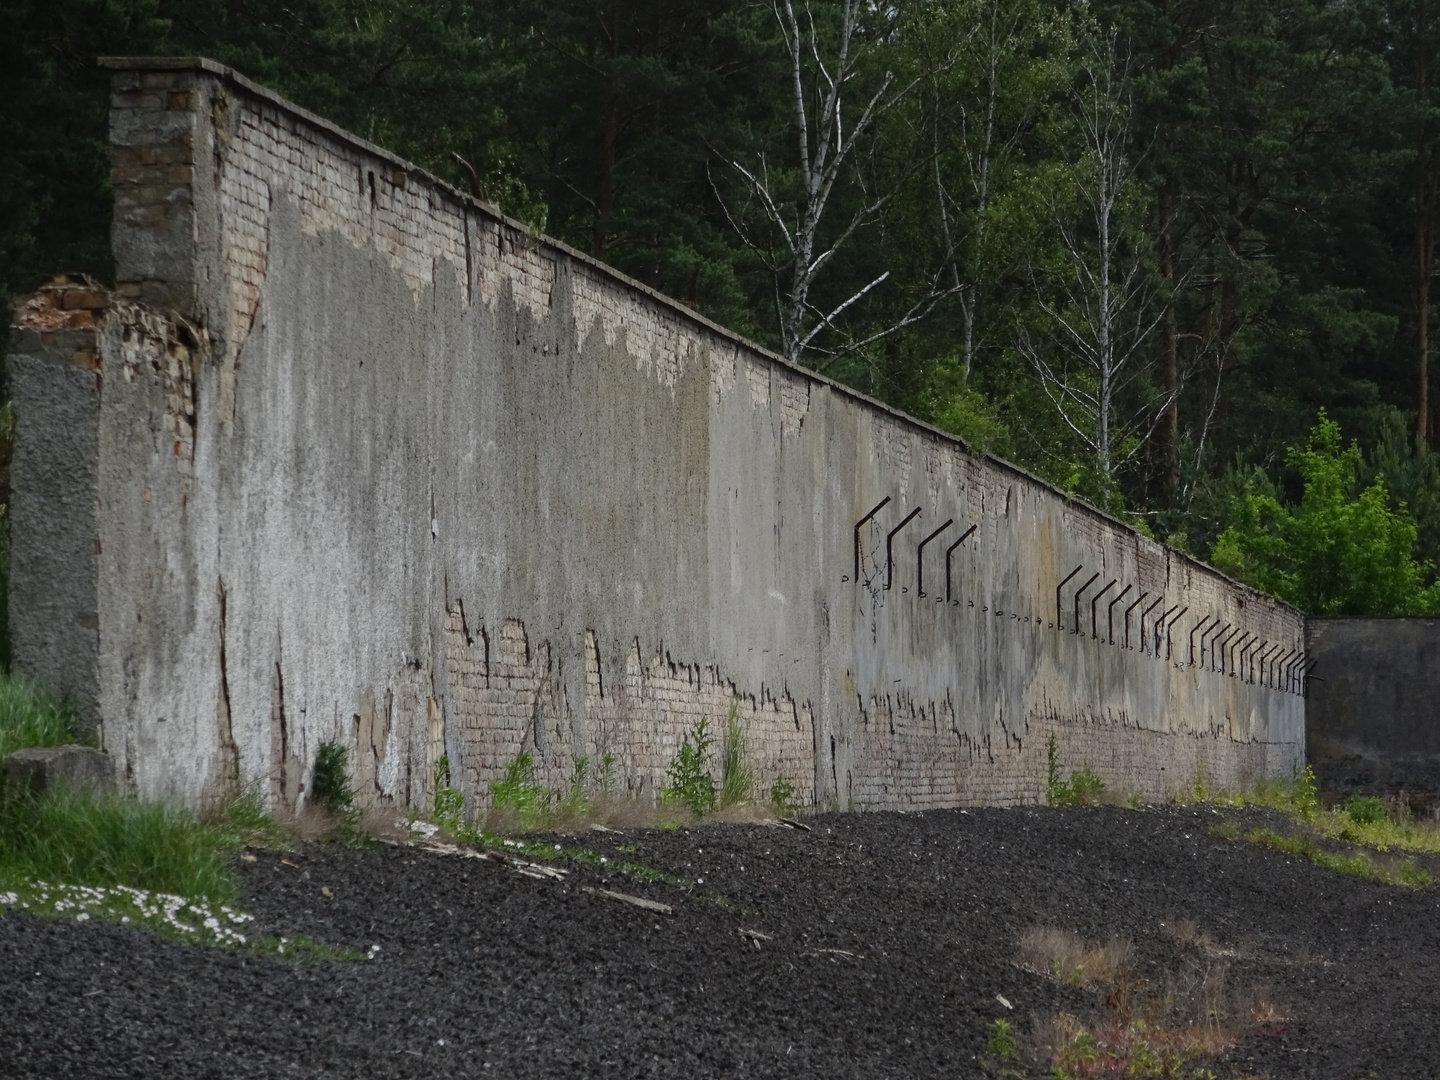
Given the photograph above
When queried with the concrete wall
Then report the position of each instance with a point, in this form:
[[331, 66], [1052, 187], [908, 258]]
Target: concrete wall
[[430, 485], [1372, 717]]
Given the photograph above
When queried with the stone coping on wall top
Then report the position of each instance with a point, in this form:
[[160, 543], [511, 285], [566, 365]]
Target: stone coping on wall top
[[230, 75]]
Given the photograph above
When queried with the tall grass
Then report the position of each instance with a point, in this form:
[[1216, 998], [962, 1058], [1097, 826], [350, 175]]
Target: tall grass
[[83, 840], [31, 717]]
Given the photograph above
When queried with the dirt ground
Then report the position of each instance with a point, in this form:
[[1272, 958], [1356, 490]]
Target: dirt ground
[[872, 945]]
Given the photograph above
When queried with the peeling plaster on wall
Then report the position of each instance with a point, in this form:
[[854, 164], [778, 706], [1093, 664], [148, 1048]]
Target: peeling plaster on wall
[[495, 527]]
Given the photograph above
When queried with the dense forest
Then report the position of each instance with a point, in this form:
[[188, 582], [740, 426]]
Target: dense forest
[[1175, 256]]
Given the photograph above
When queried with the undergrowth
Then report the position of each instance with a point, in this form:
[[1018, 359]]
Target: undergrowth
[[1367, 821], [1083, 787]]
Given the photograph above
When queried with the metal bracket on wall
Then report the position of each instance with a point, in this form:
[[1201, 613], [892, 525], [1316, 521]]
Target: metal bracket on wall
[[950, 551], [1157, 602], [878, 507], [1138, 601], [1217, 643], [1278, 668], [1095, 600], [1078, 593], [1169, 628], [1059, 618], [1236, 653], [1110, 613], [1160, 624], [1193, 630], [920, 557], [889, 549]]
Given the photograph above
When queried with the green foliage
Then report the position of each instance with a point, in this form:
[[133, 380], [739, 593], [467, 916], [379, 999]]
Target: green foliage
[[519, 791], [1406, 872], [449, 802], [1083, 787], [690, 782], [782, 794], [31, 717], [1338, 552], [1002, 1040], [1305, 794], [330, 782], [737, 775], [84, 840], [1364, 809]]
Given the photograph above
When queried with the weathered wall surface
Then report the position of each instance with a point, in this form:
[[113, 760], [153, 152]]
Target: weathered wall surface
[[430, 485], [1372, 717]]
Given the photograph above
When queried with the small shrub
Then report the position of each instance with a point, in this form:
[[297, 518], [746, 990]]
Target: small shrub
[[1082, 787], [782, 792], [575, 803], [519, 791], [606, 780], [1304, 794], [1002, 1040], [1364, 809], [330, 783], [737, 775], [690, 781], [1413, 874]]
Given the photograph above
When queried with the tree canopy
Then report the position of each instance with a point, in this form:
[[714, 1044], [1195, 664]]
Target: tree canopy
[[1136, 247]]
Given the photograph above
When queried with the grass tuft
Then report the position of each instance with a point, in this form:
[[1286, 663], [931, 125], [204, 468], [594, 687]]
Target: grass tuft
[[80, 839], [31, 717], [737, 775]]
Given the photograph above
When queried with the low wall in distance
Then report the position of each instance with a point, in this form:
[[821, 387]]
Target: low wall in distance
[[350, 456], [1372, 715]]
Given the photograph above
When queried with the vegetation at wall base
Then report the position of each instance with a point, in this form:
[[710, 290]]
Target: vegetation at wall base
[[1083, 787], [330, 785], [691, 785]]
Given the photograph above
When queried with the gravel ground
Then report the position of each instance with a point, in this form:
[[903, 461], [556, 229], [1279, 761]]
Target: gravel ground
[[888, 939]]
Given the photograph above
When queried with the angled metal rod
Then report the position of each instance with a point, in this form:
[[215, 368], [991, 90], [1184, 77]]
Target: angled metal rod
[[1215, 633], [1138, 601], [878, 507], [1110, 613], [1158, 601], [1251, 652], [950, 551], [889, 542], [920, 557], [1170, 626], [1237, 652], [1298, 664], [1219, 644], [1059, 619], [1279, 667], [1194, 628], [1267, 661], [1160, 624], [1093, 578], [1096, 600]]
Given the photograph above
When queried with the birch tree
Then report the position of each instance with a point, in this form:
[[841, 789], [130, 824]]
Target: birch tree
[[841, 93], [1099, 299]]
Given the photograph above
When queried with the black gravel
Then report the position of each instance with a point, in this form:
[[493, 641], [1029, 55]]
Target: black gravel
[[483, 972]]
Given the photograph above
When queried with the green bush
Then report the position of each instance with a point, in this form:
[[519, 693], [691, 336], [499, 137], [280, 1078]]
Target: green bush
[[330, 784], [690, 781], [1082, 787], [1364, 809], [31, 717], [449, 803], [1340, 551]]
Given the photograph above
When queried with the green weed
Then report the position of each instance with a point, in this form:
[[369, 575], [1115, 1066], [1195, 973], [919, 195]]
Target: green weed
[[242, 822], [449, 802], [519, 792], [690, 782], [1361, 864], [1083, 787], [330, 783], [1002, 1040], [782, 795]]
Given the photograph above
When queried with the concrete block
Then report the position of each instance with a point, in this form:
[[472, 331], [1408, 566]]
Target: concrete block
[[43, 769]]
